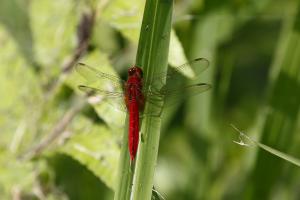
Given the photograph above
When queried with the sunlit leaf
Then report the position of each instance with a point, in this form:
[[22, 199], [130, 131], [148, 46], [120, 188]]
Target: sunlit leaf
[[95, 147], [54, 26], [15, 15], [21, 95]]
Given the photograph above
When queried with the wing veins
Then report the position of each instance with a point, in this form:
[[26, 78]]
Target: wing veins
[[83, 69], [92, 90]]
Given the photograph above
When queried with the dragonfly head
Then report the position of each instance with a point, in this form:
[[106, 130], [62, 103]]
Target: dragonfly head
[[135, 71]]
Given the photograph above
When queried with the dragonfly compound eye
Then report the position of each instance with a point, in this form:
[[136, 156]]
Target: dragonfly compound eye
[[131, 71]]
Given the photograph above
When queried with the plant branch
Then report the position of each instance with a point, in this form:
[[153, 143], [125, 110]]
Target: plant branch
[[57, 130]]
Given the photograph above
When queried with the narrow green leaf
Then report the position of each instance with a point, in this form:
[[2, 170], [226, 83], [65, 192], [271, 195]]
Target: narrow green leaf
[[280, 122], [243, 142], [152, 55]]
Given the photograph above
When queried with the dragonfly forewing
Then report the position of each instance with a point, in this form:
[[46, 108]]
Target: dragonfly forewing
[[191, 69], [100, 79], [102, 87], [110, 88]]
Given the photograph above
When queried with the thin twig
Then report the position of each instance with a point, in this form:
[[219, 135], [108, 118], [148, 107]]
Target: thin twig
[[84, 33], [58, 129], [16, 193]]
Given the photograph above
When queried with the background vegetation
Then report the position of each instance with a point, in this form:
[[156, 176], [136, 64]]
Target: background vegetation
[[56, 145]]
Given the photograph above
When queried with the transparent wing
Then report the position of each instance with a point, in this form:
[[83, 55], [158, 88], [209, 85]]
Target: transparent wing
[[167, 97], [172, 92], [97, 96], [94, 91], [104, 80], [175, 88], [102, 87], [191, 69], [172, 96]]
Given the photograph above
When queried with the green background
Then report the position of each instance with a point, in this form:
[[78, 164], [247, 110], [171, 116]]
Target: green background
[[254, 52]]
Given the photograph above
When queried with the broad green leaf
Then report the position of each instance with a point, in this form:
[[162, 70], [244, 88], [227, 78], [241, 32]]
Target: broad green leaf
[[95, 147], [14, 175], [15, 17], [125, 16], [54, 25], [21, 96]]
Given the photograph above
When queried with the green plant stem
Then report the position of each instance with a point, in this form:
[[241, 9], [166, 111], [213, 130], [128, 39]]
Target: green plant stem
[[152, 56], [125, 174]]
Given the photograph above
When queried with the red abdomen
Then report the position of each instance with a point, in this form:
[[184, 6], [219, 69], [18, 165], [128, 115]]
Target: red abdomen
[[135, 102], [133, 132]]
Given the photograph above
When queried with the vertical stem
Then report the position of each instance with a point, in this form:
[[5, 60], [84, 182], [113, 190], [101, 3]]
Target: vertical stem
[[152, 56], [125, 173]]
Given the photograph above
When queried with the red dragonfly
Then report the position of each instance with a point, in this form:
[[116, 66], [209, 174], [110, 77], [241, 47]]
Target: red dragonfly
[[132, 95]]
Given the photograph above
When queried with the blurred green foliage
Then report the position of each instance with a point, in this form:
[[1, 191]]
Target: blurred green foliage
[[56, 144]]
